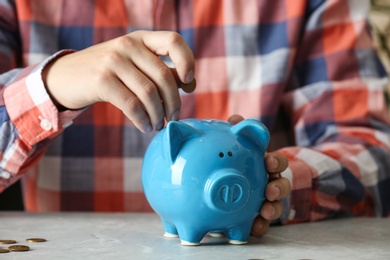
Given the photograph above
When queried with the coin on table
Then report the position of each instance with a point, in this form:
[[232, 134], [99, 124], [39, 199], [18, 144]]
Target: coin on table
[[18, 248], [35, 240], [4, 250], [7, 241]]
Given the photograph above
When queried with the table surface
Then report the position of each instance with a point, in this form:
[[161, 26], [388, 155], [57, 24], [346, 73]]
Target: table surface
[[139, 236]]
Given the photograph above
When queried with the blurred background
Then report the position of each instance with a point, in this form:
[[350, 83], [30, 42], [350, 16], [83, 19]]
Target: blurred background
[[380, 25], [11, 198]]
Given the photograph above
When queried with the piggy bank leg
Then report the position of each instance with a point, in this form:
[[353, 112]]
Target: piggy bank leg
[[238, 235], [169, 229], [190, 236]]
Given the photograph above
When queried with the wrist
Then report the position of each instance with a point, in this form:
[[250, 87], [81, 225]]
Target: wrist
[[46, 73]]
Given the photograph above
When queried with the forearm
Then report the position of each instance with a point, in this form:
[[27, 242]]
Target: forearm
[[340, 179], [340, 120], [29, 121], [340, 164]]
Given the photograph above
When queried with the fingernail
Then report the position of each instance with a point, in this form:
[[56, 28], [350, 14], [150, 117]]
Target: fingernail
[[175, 116], [189, 77], [276, 193], [160, 125], [258, 228], [272, 212], [274, 163], [148, 128]]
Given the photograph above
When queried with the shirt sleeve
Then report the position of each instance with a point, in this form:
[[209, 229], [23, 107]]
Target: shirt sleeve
[[28, 117], [341, 162], [29, 121]]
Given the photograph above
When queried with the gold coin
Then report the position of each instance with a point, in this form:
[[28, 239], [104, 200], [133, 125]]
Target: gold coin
[[19, 248], [4, 250], [7, 241], [35, 240]]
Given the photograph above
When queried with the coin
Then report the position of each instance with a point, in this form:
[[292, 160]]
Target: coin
[[19, 248], [35, 240], [3, 250], [7, 241], [190, 87]]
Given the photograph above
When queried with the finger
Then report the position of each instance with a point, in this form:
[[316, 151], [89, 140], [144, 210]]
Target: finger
[[234, 119], [121, 97], [162, 77], [146, 91], [277, 189], [275, 162], [165, 43], [271, 210], [260, 226]]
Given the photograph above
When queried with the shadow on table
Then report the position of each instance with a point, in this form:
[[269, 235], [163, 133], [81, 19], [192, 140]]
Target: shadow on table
[[11, 199]]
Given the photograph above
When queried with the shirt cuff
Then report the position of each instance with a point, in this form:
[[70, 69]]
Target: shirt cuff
[[296, 206], [30, 108]]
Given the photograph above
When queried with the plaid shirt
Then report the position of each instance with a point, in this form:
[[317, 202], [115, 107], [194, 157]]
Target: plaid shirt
[[305, 68]]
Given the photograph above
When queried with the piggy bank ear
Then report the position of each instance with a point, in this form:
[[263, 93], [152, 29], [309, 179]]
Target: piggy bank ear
[[254, 131], [176, 134]]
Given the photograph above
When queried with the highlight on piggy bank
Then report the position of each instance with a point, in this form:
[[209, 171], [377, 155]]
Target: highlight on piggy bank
[[204, 176]]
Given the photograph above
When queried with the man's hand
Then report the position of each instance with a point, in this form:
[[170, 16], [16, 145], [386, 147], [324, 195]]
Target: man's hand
[[128, 73], [277, 188]]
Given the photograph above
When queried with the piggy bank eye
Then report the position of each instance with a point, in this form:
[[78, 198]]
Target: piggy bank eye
[[221, 154]]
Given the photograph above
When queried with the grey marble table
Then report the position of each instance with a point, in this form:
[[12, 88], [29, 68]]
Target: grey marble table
[[139, 236]]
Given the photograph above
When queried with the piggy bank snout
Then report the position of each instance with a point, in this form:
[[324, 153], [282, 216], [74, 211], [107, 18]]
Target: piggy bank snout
[[227, 191]]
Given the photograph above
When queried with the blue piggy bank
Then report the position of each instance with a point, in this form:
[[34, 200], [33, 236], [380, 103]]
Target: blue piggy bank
[[205, 176]]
